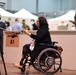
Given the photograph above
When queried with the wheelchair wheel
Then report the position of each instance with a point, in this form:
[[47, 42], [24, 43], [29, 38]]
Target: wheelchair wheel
[[49, 61], [35, 65]]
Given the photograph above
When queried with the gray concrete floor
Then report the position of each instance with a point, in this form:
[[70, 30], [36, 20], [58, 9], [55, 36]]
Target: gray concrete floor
[[11, 70]]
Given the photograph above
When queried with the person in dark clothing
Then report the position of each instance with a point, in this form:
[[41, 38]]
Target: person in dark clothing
[[34, 26], [74, 22], [42, 41], [2, 27]]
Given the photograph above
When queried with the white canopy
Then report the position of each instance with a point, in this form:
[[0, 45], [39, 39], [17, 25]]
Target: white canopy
[[68, 16], [53, 23], [24, 14], [5, 13]]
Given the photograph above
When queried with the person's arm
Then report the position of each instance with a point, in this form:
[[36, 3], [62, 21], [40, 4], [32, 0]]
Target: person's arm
[[26, 31], [41, 33], [3, 25], [72, 22]]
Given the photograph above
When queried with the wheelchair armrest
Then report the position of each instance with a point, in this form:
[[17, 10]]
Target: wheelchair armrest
[[54, 42]]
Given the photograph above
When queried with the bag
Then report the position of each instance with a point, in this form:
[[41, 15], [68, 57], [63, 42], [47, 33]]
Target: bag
[[32, 45], [60, 49]]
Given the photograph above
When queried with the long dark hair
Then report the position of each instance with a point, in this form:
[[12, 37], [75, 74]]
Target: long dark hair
[[75, 17], [43, 22], [8, 23]]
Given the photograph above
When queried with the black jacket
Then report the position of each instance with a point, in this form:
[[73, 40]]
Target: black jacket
[[35, 26], [42, 36], [2, 25]]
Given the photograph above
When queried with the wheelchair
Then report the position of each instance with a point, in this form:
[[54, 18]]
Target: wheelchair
[[49, 61]]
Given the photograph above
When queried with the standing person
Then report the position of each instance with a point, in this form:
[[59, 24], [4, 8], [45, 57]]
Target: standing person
[[74, 22], [8, 27], [34, 26], [42, 37], [24, 25], [2, 27], [10, 21], [17, 25]]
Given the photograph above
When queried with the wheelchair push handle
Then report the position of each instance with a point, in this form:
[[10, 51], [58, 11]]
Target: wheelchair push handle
[[54, 42]]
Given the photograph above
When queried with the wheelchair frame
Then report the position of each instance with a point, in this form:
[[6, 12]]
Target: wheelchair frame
[[50, 64]]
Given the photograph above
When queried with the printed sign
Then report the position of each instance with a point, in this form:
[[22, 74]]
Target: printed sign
[[12, 42]]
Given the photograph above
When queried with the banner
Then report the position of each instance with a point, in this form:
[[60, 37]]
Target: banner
[[12, 42]]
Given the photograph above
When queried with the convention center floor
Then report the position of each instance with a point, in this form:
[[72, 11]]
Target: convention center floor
[[11, 70]]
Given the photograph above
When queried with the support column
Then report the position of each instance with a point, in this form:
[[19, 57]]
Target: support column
[[37, 5], [9, 4]]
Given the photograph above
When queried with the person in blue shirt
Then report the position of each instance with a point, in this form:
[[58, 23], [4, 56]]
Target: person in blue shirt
[[17, 25]]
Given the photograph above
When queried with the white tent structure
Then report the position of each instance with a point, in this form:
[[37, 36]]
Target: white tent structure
[[5, 13], [24, 14], [53, 23], [68, 16]]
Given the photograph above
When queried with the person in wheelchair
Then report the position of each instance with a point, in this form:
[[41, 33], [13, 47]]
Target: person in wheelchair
[[42, 40]]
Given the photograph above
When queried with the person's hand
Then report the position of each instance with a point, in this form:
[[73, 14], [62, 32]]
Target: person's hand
[[26, 31], [70, 21]]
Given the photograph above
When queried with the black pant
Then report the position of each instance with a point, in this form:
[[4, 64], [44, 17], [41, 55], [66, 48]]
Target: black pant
[[1, 45], [34, 54], [37, 51], [25, 52]]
